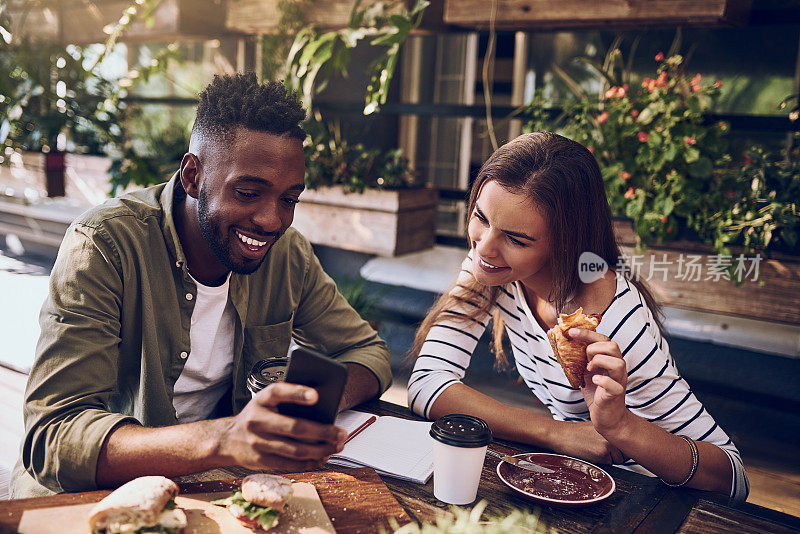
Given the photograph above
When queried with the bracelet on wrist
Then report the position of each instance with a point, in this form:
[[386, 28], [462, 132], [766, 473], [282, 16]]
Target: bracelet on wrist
[[695, 463]]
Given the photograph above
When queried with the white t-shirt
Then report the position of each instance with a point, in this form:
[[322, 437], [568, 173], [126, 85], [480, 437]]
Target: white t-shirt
[[206, 375]]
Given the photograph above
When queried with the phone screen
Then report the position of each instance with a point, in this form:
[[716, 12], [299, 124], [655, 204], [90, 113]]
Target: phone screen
[[313, 369]]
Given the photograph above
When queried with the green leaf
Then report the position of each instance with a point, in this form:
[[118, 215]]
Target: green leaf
[[234, 498], [670, 152], [691, 155], [419, 7], [647, 114], [303, 36], [351, 36], [634, 207], [402, 24], [701, 168], [668, 206]]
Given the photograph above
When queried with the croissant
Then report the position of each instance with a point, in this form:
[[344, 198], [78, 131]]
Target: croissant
[[571, 353]]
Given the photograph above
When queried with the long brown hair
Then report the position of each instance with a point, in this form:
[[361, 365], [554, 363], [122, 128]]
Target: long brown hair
[[563, 180]]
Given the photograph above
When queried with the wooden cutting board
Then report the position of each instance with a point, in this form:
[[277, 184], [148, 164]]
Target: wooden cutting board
[[355, 501], [304, 513]]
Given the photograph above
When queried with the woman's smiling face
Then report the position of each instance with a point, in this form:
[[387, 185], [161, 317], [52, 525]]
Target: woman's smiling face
[[509, 238]]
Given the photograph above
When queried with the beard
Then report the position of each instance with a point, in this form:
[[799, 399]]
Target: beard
[[221, 244]]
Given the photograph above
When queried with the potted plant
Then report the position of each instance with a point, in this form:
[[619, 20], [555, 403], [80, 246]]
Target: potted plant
[[702, 216], [50, 104], [361, 199], [358, 198]]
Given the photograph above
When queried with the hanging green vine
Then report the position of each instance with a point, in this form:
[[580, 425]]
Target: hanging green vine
[[316, 56]]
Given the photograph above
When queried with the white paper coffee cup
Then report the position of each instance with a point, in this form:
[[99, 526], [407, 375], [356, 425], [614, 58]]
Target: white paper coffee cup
[[459, 449]]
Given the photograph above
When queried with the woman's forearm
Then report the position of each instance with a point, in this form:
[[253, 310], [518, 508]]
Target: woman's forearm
[[669, 456], [506, 422]]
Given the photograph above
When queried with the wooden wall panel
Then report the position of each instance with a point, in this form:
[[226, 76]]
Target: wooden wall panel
[[262, 16], [544, 14]]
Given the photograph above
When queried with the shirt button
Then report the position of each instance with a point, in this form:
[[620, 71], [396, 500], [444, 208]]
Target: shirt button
[[178, 264], [184, 355], [176, 414], [189, 296]]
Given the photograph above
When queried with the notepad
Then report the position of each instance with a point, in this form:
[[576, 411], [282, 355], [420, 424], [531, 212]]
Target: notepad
[[392, 446]]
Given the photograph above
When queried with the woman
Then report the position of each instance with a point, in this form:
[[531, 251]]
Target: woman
[[537, 204]]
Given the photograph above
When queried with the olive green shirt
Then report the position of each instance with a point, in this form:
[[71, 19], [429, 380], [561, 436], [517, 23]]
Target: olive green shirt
[[117, 320]]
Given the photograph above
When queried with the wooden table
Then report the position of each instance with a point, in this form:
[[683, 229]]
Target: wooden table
[[640, 504]]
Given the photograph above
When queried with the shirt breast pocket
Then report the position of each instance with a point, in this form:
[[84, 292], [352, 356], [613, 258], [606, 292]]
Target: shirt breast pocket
[[265, 342]]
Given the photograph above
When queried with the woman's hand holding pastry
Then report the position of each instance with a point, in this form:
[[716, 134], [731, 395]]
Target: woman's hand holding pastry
[[606, 378]]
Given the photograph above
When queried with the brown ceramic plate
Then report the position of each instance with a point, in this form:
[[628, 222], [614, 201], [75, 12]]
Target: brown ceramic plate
[[574, 482]]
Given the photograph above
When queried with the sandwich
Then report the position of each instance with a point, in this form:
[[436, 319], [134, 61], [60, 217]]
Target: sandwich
[[259, 501], [571, 353], [145, 504]]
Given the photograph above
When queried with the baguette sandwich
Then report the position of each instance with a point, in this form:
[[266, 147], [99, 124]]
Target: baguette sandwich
[[571, 353], [259, 502], [145, 504]]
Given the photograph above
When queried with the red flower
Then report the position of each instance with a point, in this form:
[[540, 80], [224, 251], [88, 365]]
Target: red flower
[[669, 229], [663, 218], [590, 148], [689, 140], [643, 137], [695, 83], [634, 113], [649, 84], [602, 118], [617, 92], [662, 80], [660, 56], [630, 193], [625, 175], [718, 84]]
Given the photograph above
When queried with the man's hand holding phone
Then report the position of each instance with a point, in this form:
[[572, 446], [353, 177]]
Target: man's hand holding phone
[[261, 438], [315, 370], [289, 425]]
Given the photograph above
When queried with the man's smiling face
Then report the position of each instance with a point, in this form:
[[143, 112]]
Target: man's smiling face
[[247, 196]]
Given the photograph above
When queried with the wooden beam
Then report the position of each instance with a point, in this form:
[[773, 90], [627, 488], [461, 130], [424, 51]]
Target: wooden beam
[[547, 14]]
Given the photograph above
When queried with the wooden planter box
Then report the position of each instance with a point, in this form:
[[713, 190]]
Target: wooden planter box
[[86, 177], [80, 22], [772, 297], [260, 17], [549, 14], [385, 223]]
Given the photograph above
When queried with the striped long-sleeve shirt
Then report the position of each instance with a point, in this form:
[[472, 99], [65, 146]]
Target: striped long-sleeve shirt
[[655, 389]]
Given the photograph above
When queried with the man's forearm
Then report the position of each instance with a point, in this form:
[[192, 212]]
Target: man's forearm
[[132, 451], [362, 385], [258, 438]]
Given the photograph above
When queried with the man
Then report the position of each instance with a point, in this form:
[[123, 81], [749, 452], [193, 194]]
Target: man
[[162, 300]]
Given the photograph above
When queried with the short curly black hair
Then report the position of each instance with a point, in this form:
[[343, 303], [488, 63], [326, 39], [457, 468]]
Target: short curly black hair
[[240, 100]]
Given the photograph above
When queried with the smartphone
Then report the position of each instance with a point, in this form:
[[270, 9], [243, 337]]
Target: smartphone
[[313, 369]]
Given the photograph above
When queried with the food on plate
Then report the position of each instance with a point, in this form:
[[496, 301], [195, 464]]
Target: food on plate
[[145, 504], [571, 353], [260, 500]]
